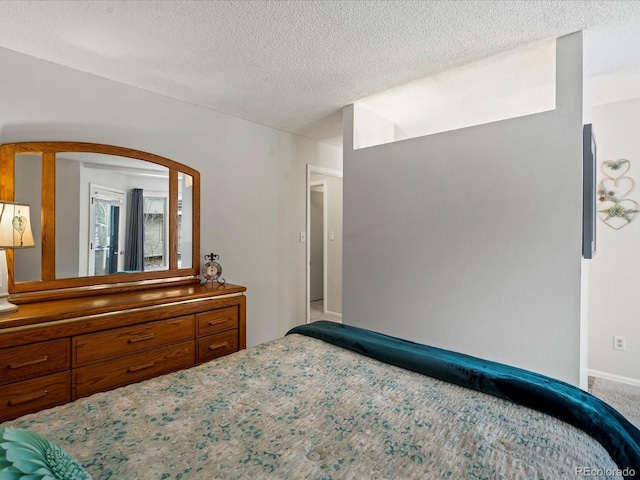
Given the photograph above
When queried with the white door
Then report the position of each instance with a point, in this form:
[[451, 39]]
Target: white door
[[106, 211]]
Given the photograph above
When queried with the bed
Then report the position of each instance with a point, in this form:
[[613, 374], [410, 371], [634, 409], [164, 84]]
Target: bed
[[330, 401]]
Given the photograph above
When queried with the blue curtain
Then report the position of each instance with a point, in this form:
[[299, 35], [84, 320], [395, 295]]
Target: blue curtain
[[134, 247]]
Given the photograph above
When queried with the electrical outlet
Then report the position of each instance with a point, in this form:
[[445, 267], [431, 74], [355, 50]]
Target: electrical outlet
[[619, 343]]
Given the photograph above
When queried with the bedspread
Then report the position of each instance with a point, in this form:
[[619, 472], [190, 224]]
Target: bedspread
[[617, 435], [298, 407]]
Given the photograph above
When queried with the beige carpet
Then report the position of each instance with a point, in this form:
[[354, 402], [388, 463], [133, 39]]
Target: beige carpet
[[624, 398], [316, 313]]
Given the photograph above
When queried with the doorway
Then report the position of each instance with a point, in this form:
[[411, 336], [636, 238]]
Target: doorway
[[106, 240], [324, 244], [317, 227]]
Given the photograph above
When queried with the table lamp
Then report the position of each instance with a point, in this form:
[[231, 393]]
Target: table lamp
[[15, 232]]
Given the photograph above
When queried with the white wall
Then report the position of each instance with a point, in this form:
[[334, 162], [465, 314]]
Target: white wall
[[512, 84], [371, 129], [615, 269], [471, 239], [253, 177]]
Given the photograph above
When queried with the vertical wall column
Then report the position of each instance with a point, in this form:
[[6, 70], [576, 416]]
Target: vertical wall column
[[470, 239], [571, 108]]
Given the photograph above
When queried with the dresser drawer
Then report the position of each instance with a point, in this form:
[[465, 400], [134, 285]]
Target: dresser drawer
[[30, 396], [34, 360], [217, 321], [214, 346], [96, 347], [133, 368]]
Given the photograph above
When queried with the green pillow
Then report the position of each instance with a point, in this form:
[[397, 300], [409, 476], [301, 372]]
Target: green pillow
[[25, 454]]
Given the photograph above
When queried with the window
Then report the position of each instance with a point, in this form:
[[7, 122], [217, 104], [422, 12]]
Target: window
[[156, 230]]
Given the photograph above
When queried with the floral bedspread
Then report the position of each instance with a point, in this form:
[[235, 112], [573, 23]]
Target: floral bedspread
[[299, 408]]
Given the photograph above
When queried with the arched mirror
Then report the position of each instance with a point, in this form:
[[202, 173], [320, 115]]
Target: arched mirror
[[109, 216]]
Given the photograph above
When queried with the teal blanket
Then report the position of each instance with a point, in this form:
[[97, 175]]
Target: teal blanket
[[553, 397]]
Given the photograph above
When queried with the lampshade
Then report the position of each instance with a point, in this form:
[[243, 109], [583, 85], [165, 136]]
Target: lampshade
[[15, 226]]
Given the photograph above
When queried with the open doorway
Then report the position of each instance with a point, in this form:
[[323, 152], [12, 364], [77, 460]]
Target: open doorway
[[106, 211], [324, 244], [316, 247]]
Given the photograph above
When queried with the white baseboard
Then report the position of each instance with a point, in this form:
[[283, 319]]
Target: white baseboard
[[333, 313], [615, 378]]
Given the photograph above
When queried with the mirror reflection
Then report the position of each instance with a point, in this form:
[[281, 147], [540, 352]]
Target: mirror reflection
[[28, 189], [185, 220], [100, 217], [111, 215]]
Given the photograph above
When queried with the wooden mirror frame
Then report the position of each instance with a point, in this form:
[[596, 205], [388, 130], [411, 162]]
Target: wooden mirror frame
[[51, 287]]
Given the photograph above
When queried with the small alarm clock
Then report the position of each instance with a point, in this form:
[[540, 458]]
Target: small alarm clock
[[211, 270]]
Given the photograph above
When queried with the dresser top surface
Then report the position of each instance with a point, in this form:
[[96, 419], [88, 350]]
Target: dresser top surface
[[102, 302]]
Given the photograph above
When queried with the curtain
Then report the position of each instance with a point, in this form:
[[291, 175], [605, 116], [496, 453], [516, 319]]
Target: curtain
[[134, 246]]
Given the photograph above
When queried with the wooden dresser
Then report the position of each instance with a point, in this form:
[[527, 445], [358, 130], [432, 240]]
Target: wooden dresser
[[53, 352]]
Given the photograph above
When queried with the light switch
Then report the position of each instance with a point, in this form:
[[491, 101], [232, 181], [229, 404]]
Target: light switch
[[331, 236], [303, 237]]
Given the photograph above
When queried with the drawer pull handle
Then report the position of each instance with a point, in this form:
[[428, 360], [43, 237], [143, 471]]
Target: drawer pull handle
[[218, 346], [28, 363], [30, 397], [219, 320], [141, 338], [144, 366]]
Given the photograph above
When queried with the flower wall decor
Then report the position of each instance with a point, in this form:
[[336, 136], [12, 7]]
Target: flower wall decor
[[615, 209]]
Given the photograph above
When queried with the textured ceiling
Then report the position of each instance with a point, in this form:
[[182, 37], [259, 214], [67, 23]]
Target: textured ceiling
[[292, 65]]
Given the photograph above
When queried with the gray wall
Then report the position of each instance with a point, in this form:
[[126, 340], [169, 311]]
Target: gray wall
[[316, 276], [70, 251], [471, 239], [253, 177], [28, 187]]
